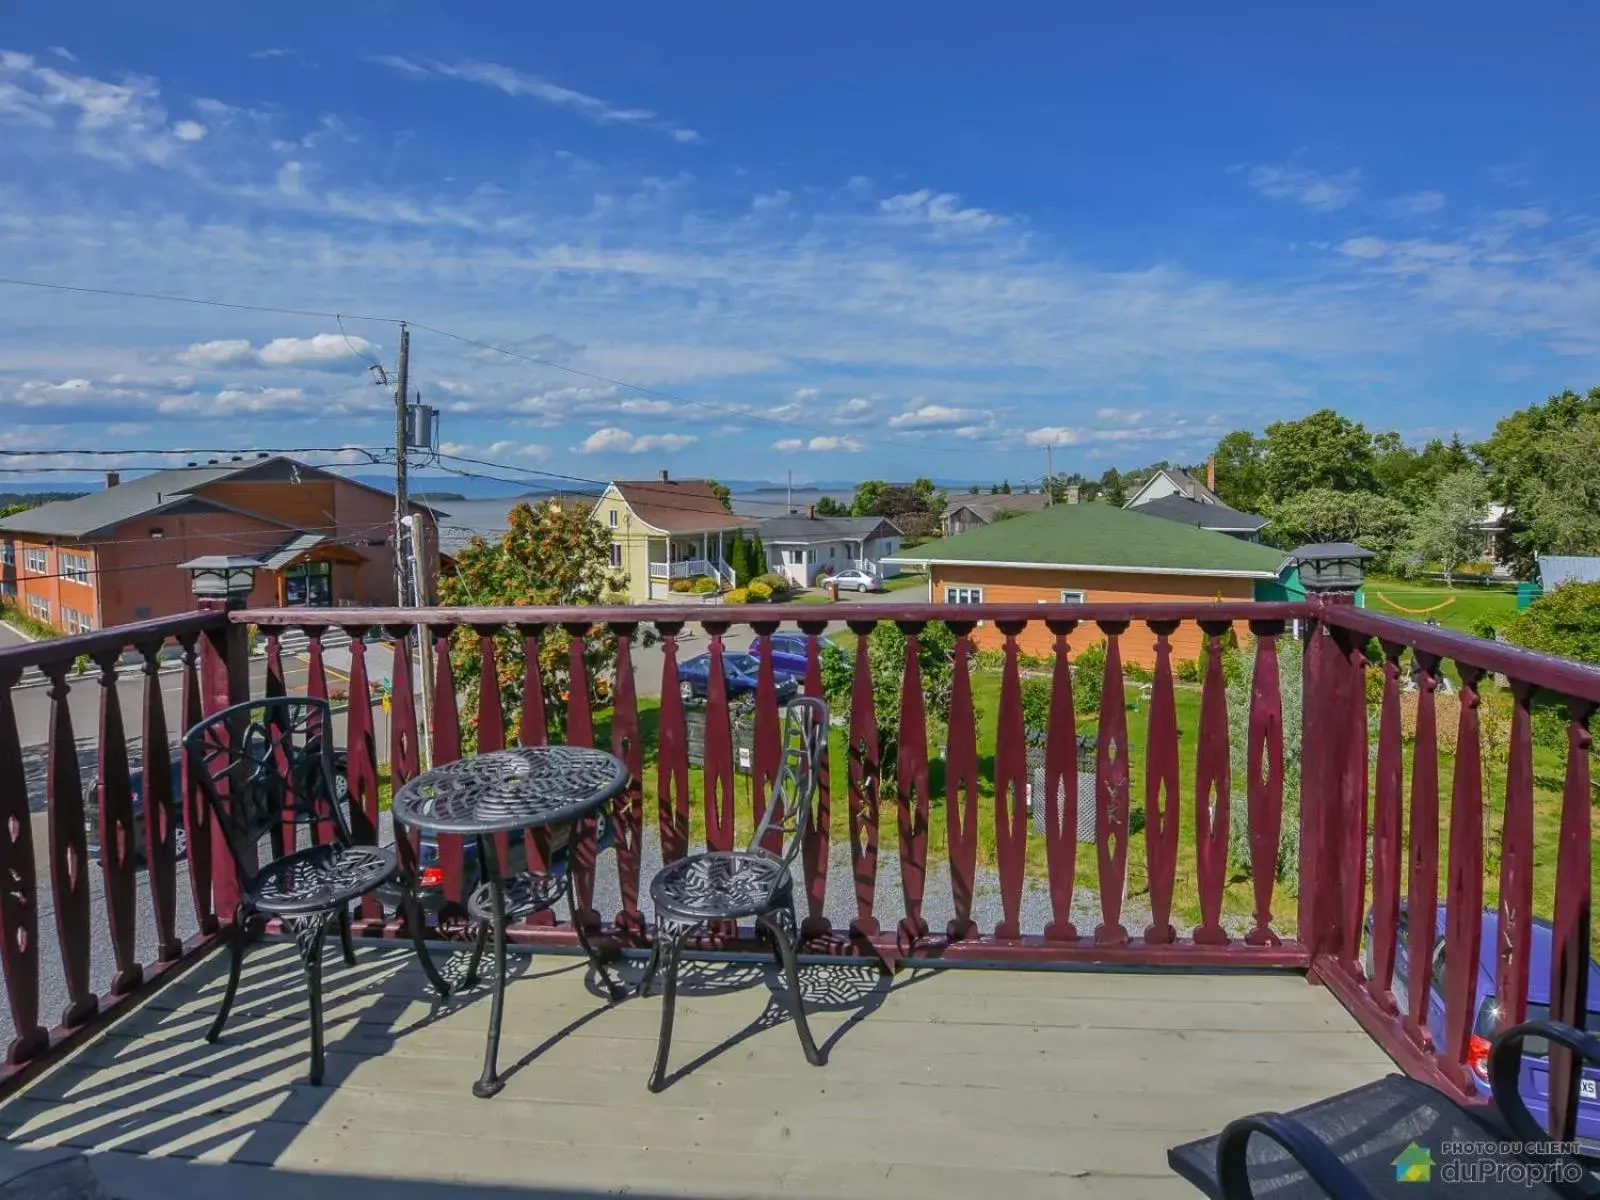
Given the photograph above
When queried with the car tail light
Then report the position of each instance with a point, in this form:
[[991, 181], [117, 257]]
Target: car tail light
[[1478, 1056], [432, 877]]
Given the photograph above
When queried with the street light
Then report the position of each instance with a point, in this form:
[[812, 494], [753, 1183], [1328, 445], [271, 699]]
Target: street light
[[225, 577], [1332, 566]]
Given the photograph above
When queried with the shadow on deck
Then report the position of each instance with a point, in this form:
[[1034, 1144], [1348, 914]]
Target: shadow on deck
[[939, 1083]]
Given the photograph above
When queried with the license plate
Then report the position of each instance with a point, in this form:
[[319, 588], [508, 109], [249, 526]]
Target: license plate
[[1586, 1089]]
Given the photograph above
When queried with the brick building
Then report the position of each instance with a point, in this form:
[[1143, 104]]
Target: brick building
[[112, 556]]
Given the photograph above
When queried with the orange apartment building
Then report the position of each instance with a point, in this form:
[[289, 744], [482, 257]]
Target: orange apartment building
[[1098, 554], [112, 556]]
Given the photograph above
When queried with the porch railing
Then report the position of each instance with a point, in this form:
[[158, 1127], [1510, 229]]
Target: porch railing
[[1199, 907]]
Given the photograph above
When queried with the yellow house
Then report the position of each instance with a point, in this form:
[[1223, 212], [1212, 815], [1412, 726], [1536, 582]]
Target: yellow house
[[664, 529]]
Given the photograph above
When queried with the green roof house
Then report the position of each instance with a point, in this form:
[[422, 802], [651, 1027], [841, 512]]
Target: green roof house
[[1097, 553]]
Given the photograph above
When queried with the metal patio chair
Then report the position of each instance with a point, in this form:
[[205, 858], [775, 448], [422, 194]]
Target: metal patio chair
[[276, 760], [1401, 1138], [750, 883]]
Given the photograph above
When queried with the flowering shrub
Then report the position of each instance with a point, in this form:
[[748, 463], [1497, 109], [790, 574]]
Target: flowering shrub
[[681, 585], [703, 586], [759, 591], [737, 596]]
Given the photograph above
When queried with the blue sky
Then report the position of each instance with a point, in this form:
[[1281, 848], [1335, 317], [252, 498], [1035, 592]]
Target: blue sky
[[849, 241]]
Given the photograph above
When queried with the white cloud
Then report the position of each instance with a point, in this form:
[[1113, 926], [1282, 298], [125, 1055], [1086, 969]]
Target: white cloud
[[821, 444], [612, 440], [1417, 204], [272, 52], [1313, 192], [230, 402], [516, 83], [939, 208], [188, 131], [63, 52], [1132, 416], [323, 351], [1053, 435], [805, 394], [939, 416], [289, 178], [767, 201]]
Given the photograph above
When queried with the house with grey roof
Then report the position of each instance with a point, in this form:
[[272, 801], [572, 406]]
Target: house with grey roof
[[804, 548], [975, 511], [115, 556], [1176, 495]]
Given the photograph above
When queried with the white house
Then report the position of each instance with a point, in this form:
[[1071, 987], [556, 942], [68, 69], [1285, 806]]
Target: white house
[[1173, 481], [801, 548]]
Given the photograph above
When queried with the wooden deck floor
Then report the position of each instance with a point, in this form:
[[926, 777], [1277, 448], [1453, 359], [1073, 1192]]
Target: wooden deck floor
[[939, 1083]]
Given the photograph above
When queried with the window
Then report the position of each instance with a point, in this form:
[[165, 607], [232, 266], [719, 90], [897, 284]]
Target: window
[[616, 553], [1071, 596], [611, 516], [39, 607], [8, 554], [308, 584], [963, 595], [74, 621], [831, 552], [8, 590], [74, 566], [35, 561]]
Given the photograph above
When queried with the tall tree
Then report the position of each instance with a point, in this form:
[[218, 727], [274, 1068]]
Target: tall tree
[[1241, 470], [739, 560], [723, 494], [756, 558], [1519, 453], [865, 500], [550, 555], [1113, 490], [827, 506], [1446, 527], [1562, 504], [1005, 488], [1323, 450], [1324, 515]]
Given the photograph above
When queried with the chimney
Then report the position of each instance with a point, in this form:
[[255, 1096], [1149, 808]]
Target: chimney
[[113, 478], [665, 478], [1211, 472]]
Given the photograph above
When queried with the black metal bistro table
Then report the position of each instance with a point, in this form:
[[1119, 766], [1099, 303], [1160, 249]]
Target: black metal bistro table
[[507, 791]]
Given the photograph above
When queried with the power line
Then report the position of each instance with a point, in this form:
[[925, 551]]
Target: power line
[[229, 450], [171, 299]]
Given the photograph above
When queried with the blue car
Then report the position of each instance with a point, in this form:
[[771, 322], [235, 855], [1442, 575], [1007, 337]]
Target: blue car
[[739, 672], [1486, 1012], [790, 652]]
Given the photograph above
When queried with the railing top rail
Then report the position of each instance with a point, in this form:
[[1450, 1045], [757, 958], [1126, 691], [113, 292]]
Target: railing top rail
[[636, 614], [1545, 671], [118, 637]]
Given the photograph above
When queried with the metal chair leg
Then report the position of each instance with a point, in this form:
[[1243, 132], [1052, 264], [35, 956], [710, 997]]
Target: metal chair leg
[[614, 990], [418, 927], [671, 957], [490, 1082], [344, 937], [308, 937], [791, 972], [236, 943]]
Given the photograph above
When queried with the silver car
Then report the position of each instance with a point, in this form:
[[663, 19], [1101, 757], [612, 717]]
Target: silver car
[[856, 580]]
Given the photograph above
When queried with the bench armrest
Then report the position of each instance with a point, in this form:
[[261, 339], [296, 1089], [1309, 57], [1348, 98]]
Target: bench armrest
[[1319, 1163], [1505, 1069]]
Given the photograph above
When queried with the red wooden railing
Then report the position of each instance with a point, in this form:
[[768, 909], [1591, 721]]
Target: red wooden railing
[[882, 925], [1361, 802], [45, 673]]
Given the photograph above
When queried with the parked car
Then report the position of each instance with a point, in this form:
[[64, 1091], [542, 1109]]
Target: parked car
[[1486, 1011], [739, 671], [790, 652], [180, 835], [854, 579]]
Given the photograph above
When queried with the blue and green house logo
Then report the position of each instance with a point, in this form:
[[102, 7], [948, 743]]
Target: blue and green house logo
[[1414, 1165]]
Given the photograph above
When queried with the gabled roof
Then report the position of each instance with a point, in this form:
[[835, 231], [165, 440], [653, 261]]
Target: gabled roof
[[825, 529], [987, 506], [158, 492], [1203, 516], [677, 505], [1102, 537], [1186, 484]]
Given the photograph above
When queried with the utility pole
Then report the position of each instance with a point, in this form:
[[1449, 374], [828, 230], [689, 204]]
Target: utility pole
[[420, 541], [1049, 479], [401, 396], [788, 507]]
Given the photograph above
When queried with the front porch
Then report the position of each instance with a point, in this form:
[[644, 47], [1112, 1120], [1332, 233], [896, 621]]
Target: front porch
[[938, 1083], [685, 556]]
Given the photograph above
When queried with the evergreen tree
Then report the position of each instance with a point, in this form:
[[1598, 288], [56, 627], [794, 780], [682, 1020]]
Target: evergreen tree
[[757, 558], [1005, 488], [739, 560]]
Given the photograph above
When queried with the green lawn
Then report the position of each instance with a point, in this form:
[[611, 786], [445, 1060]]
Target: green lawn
[[1454, 608]]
